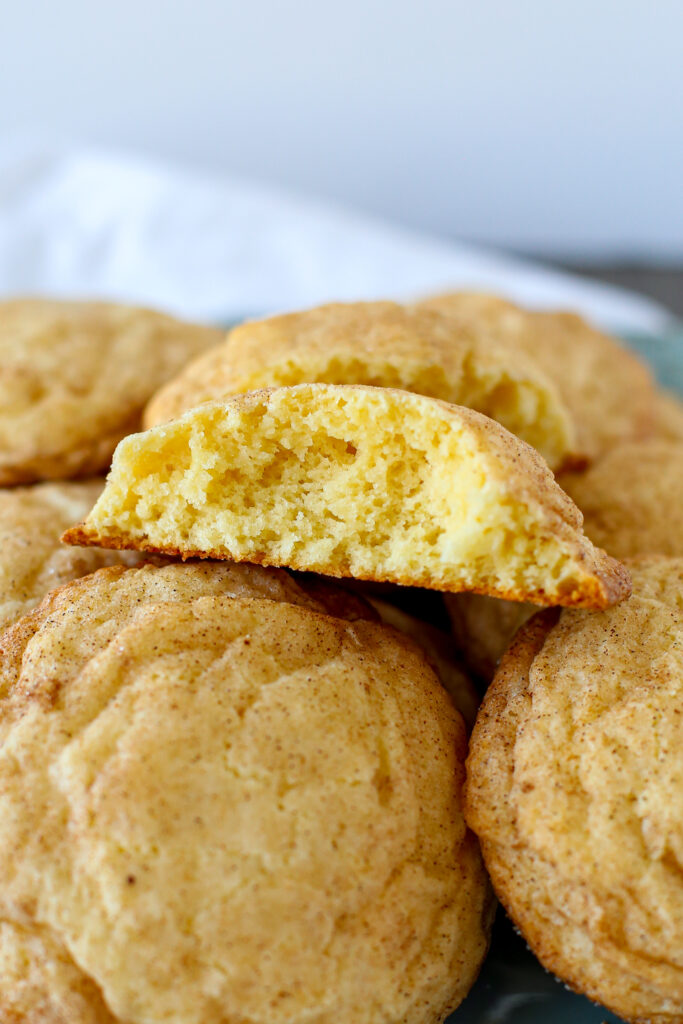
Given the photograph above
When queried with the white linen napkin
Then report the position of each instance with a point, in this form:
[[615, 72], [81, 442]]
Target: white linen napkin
[[84, 223]]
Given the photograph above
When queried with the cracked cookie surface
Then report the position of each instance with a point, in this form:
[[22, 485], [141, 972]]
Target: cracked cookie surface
[[74, 377], [575, 789], [218, 808]]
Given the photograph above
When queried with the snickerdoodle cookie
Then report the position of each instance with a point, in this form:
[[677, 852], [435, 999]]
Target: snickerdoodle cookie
[[216, 809], [74, 378], [575, 788], [33, 560], [483, 628]]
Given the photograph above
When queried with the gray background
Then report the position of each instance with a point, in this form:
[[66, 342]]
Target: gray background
[[549, 128]]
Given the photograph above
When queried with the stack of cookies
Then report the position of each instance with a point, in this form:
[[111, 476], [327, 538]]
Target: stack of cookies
[[236, 696]]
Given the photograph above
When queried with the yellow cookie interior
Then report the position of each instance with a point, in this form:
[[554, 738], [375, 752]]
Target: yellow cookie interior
[[354, 481]]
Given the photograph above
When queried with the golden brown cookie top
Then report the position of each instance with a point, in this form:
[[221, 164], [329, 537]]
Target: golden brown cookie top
[[608, 390], [371, 483], [632, 499], [222, 806], [575, 788], [381, 344], [121, 588], [74, 377]]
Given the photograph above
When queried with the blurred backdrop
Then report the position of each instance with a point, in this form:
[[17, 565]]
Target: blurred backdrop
[[548, 128]]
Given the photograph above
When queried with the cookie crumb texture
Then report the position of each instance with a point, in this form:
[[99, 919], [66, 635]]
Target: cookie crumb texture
[[575, 788], [218, 809], [355, 481]]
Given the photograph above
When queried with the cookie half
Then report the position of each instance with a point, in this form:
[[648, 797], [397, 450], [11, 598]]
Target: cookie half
[[365, 482]]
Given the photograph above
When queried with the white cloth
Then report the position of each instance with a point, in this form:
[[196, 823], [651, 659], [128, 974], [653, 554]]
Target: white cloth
[[82, 223]]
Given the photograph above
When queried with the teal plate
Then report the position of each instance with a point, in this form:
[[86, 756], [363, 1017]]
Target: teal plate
[[513, 988]]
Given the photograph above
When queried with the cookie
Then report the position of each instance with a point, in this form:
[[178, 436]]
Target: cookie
[[632, 499], [576, 792], [74, 379], [370, 483], [33, 559], [381, 344], [216, 809], [609, 392]]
